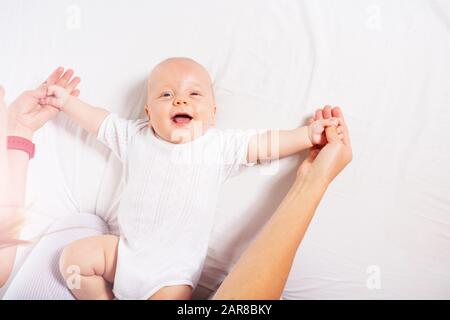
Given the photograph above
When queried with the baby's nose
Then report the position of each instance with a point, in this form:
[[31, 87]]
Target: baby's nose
[[180, 101]]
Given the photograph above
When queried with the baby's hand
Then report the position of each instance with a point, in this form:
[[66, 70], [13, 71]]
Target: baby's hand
[[316, 130], [56, 97]]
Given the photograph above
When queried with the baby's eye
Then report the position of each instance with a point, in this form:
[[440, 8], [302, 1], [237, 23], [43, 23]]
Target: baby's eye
[[195, 93], [166, 94]]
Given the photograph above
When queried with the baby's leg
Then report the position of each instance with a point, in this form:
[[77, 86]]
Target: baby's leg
[[89, 265], [178, 292]]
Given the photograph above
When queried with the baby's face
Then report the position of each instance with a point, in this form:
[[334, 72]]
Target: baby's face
[[180, 102]]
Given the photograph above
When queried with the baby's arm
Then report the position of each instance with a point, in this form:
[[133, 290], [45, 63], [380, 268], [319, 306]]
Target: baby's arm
[[87, 116], [277, 144]]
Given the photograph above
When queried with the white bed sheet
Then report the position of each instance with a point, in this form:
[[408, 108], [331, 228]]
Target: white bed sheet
[[383, 227]]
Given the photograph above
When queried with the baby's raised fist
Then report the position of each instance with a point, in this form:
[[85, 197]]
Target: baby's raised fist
[[56, 97], [316, 130]]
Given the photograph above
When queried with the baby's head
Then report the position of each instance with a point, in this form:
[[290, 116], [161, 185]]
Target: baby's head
[[180, 100]]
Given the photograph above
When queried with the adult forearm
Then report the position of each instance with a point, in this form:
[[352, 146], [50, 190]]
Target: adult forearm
[[17, 177], [16, 171], [262, 270], [11, 222], [12, 199]]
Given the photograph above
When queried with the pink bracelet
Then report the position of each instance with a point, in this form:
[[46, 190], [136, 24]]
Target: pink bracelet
[[19, 143]]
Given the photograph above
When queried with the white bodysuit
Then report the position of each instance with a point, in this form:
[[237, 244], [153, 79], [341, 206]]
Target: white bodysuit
[[168, 204]]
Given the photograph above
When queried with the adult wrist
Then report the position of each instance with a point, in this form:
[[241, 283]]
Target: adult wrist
[[15, 129], [26, 134], [313, 178], [22, 144]]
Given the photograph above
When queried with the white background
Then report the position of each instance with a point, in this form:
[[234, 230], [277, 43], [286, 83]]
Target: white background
[[383, 227]]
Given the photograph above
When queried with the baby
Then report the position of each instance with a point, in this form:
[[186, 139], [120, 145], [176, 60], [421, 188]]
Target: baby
[[175, 162]]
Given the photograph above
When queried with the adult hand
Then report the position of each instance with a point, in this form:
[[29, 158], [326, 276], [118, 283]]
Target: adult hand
[[26, 114], [328, 161], [3, 165], [3, 133], [2, 109]]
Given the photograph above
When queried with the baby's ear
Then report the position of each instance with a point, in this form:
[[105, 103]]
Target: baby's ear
[[147, 112], [214, 118]]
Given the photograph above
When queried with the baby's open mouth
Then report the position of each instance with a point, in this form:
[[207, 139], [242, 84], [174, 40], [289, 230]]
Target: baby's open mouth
[[182, 118]]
